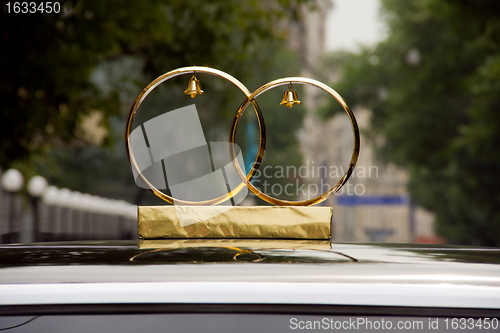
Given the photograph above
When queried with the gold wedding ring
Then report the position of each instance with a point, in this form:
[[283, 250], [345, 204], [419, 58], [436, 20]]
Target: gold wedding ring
[[286, 81], [192, 70], [250, 99]]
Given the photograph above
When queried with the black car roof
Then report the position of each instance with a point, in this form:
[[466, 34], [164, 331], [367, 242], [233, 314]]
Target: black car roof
[[343, 262]]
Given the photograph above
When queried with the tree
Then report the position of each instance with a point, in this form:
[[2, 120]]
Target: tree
[[433, 87], [48, 81], [47, 59]]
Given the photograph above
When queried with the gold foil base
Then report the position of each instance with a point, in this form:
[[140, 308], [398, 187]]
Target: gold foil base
[[261, 222], [169, 244]]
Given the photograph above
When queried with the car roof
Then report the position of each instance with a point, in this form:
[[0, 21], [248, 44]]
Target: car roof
[[124, 261], [246, 272]]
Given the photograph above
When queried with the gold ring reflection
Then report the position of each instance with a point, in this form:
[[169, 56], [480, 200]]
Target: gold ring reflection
[[191, 70], [235, 257], [243, 252], [287, 81]]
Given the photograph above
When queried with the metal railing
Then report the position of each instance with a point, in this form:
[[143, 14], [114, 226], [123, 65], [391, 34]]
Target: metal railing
[[62, 215]]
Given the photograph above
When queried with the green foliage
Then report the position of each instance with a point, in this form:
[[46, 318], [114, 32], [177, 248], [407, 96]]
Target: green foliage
[[439, 115], [95, 55], [47, 59]]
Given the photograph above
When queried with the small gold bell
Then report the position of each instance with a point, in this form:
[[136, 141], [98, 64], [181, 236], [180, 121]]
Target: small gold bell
[[290, 99], [193, 87]]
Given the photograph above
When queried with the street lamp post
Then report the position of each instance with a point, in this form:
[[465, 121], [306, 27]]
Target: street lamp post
[[12, 182], [36, 187]]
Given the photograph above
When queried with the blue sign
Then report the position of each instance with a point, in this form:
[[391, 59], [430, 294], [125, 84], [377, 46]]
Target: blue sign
[[355, 200]]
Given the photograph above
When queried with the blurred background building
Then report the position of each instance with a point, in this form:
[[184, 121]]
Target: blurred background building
[[381, 209]]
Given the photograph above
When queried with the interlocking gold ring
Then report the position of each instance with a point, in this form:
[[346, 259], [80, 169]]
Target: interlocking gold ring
[[281, 82], [186, 70]]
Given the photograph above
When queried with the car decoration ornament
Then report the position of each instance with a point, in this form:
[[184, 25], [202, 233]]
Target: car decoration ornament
[[290, 97], [207, 180], [193, 87]]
